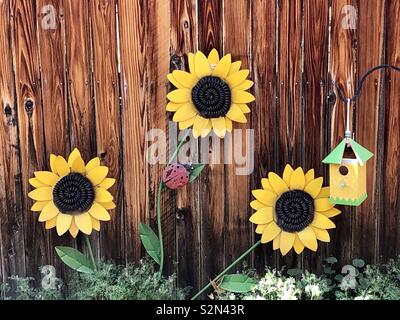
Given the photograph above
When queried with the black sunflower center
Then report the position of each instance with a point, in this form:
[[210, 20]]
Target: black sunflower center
[[212, 97], [73, 193], [294, 210]]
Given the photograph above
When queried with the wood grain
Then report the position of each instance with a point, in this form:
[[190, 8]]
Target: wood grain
[[342, 71], [107, 108], [12, 247], [370, 54]]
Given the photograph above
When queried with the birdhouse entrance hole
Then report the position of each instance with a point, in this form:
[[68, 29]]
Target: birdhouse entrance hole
[[343, 170]]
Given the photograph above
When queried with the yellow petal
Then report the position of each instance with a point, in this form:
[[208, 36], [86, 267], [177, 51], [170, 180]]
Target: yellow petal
[[265, 196], [95, 162], [237, 78], [63, 223], [98, 212], [84, 223], [236, 114], [266, 185], [324, 193], [46, 177], [333, 212], [176, 84], [313, 188], [260, 228], [286, 241], [322, 222], [49, 212], [186, 112], [73, 156], [240, 96], [235, 67], [245, 85], [34, 182], [244, 107], [107, 183], [322, 204], [223, 67], [95, 224], [277, 183], [257, 205], [179, 96], [219, 126], [109, 205], [102, 195], [201, 65], [200, 124], [263, 216], [50, 224], [186, 79], [298, 245], [287, 173], [78, 165], [172, 107], [310, 176], [276, 242], [270, 232], [322, 235], [39, 205], [297, 180], [41, 194], [213, 57], [62, 166], [53, 163], [73, 229], [307, 237], [228, 124], [97, 175], [191, 63], [186, 124]]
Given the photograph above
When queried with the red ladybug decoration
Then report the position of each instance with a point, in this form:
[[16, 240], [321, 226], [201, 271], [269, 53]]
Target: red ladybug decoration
[[175, 176]]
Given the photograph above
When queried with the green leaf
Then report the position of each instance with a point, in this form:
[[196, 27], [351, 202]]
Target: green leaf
[[195, 172], [75, 259], [328, 270], [358, 263], [331, 260], [339, 278], [150, 242], [238, 283], [294, 272]]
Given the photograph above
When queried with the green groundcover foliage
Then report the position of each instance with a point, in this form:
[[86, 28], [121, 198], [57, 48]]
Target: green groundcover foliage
[[356, 281]]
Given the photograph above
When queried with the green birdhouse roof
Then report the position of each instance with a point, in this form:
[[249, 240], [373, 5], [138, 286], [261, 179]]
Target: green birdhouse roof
[[336, 156]]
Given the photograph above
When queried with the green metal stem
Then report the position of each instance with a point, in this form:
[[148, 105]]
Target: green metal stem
[[244, 255], [89, 246]]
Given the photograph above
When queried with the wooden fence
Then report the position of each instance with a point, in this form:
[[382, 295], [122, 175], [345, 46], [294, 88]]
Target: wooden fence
[[95, 78]]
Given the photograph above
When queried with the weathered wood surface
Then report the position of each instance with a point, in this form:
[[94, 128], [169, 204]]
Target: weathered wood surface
[[97, 81]]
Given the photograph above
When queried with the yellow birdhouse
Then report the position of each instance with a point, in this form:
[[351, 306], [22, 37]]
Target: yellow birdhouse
[[347, 172]]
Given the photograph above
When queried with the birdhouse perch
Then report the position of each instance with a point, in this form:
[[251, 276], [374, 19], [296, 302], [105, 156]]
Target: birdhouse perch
[[348, 174]]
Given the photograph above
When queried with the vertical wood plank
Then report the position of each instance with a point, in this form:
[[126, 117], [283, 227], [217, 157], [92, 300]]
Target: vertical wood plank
[[212, 205], [30, 123], [12, 250], [289, 110], [263, 112], [370, 54], [342, 71], [389, 222], [238, 230], [315, 90], [108, 119], [132, 20], [187, 213]]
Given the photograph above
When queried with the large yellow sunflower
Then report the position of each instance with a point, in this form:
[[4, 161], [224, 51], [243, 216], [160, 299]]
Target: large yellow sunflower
[[73, 196], [211, 95], [293, 211]]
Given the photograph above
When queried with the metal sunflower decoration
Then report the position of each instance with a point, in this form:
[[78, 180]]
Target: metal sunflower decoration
[[73, 197], [293, 211], [211, 96]]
